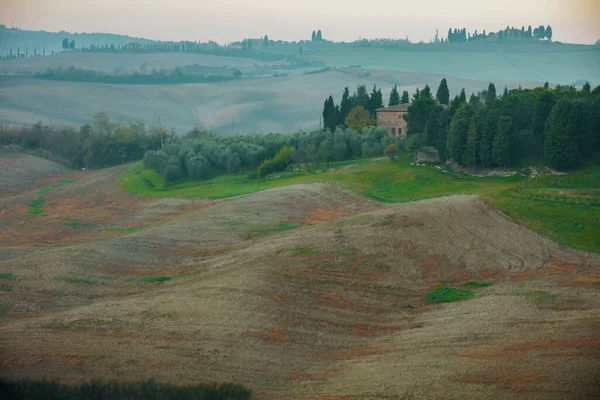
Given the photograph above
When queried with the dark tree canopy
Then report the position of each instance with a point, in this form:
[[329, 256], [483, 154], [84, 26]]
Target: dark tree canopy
[[443, 93]]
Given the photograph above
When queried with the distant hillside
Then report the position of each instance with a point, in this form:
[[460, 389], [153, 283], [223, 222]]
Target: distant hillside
[[40, 41], [276, 104]]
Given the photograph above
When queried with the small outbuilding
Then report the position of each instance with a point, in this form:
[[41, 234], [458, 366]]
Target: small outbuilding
[[427, 154]]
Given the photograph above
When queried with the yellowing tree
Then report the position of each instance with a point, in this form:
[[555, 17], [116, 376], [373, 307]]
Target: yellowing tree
[[390, 151], [359, 119]]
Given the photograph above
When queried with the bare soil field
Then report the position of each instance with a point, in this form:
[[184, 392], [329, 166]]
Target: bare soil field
[[301, 292], [22, 171], [275, 104]]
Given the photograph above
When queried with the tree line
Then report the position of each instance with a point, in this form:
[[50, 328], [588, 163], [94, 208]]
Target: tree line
[[100, 143], [203, 155], [559, 126], [358, 110], [153, 77], [539, 33]]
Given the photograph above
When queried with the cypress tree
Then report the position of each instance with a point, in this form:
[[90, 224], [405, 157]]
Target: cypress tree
[[345, 105], [504, 142], [586, 88], [561, 148], [394, 97], [458, 134], [491, 94], [505, 92], [541, 109], [361, 97], [463, 96], [426, 92], [405, 98], [488, 126], [443, 93]]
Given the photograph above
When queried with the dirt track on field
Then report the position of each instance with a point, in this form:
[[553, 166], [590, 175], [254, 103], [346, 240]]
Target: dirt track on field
[[305, 291]]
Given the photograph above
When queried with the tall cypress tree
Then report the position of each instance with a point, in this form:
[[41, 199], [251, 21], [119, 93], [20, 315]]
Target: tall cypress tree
[[345, 105], [394, 97], [443, 93], [426, 92], [361, 97], [541, 109], [405, 99], [505, 92], [490, 98], [463, 96], [488, 126], [561, 149], [458, 134], [504, 141]]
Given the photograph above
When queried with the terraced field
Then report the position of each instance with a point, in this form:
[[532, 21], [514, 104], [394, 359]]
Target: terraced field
[[301, 291]]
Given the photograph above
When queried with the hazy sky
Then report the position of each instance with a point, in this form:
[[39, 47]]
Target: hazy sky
[[574, 21]]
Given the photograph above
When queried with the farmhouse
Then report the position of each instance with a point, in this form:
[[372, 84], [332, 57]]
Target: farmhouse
[[392, 119]]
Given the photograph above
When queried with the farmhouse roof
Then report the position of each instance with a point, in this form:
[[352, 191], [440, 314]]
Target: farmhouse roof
[[397, 108]]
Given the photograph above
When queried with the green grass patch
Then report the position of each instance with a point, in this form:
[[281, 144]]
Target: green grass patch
[[35, 206], [76, 222], [30, 390], [158, 279], [8, 277], [46, 189], [569, 223], [126, 231], [445, 294], [306, 250], [77, 280], [269, 229], [4, 308], [538, 294], [478, 284]]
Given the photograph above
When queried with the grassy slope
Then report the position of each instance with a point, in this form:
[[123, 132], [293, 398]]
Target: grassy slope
[[574, 225]]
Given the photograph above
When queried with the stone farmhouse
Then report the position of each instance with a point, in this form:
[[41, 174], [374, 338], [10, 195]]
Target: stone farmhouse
[[392, 119]]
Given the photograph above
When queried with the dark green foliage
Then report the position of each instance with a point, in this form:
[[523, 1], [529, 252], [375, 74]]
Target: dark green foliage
[[331, 114], [394, 97], [361, 97], [586, 88], [158, 279], [147, 390], [458, 134], [491, 94], [444, 294], [345, 105], [563, 142], [99, 144], [543, 105], [420, 114], [487, 121], [443, 93], [504, 142], [478, 284], [375, 101], [463, 96], [405, 99], [9, 277], [426, 92]]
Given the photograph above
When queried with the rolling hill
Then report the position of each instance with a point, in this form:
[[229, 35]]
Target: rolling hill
[[275, 104], [302, 291]]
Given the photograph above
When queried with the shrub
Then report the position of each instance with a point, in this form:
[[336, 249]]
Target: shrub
[[390, 151], [444, 294]]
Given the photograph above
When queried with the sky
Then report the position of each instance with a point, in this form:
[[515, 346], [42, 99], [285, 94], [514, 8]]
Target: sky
[[572, 21]]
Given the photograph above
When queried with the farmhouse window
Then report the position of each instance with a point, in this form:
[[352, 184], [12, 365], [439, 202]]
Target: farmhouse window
[[393, 131]]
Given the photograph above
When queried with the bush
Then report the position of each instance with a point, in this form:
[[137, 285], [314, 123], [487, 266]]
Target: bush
[[148, 390], [444, 294], [390, 151]]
